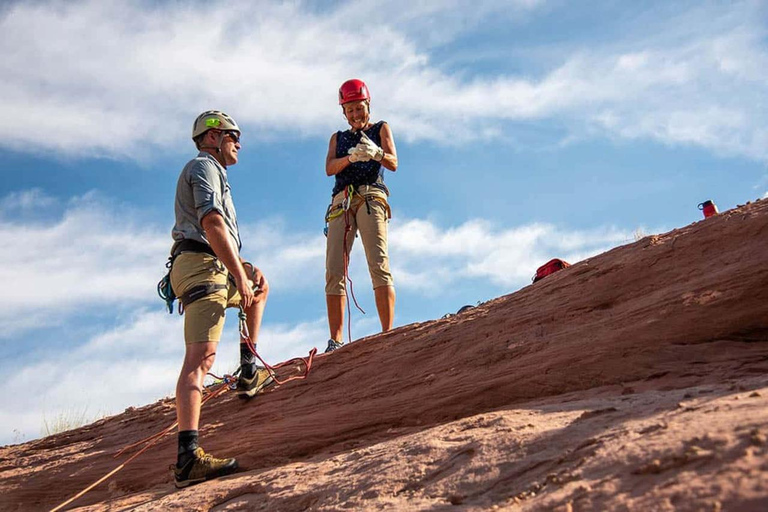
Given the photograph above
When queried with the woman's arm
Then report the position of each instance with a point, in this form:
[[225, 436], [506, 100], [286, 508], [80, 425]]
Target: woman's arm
[[389, 160], [334, 165]]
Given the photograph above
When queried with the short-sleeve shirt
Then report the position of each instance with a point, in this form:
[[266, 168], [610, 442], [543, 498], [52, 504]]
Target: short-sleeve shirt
[[358, 173], [201, 189]]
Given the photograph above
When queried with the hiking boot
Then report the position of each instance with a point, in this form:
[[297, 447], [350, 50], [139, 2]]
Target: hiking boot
[[252, 379], [201, 468], [333, 345]]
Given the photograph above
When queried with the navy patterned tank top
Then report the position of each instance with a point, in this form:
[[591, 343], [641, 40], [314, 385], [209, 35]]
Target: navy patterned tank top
[[358, 173]]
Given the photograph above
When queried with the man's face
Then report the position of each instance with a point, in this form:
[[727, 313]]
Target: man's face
[[230, 145], [357, 114]]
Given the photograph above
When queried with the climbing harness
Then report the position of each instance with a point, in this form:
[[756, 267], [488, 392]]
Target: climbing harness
[[164, 288], [333, 212]]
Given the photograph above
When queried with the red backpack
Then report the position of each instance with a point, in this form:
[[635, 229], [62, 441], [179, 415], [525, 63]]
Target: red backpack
[[550, 267]]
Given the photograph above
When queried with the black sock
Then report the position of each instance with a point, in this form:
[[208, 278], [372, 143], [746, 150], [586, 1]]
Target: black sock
[[188, 443], [246, 356]]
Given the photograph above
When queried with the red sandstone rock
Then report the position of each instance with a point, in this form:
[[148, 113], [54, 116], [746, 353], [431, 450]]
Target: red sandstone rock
[[635, 380]]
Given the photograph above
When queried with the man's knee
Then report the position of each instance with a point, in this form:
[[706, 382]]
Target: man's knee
[[200, 356], [206, 362], [263, 292], [259, 301]]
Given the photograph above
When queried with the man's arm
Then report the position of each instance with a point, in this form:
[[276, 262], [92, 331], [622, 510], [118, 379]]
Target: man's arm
[[218, 236]]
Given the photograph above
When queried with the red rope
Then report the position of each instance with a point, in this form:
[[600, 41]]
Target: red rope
[[246, 338]]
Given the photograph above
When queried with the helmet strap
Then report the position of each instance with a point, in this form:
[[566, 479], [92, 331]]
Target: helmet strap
[[217, 148]]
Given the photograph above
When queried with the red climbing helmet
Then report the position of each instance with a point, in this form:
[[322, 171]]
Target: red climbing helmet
[[353, 90]]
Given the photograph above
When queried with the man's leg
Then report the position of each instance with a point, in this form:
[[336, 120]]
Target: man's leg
[[198, 360], [193, 465], [203, 320], [256, 312], [385, 305]]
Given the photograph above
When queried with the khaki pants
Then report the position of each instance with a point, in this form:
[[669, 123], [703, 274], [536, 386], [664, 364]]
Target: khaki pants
[[204, 318], [373, 232]]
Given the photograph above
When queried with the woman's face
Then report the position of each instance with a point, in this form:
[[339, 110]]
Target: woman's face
[[357, 114]]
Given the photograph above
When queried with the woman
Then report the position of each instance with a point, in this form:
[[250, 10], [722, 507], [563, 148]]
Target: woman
[[356, 159]]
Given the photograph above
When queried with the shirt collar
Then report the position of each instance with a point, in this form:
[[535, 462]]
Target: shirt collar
[[205, 154]]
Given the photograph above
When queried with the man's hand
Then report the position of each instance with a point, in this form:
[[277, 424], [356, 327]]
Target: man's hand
[[245, 289], [256, 283], [260, 285]]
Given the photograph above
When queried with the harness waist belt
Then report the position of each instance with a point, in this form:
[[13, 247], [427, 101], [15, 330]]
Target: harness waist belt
[[198, 292], [189, 245]]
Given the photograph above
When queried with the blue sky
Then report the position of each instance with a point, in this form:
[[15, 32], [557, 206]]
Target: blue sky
[[526, 130]]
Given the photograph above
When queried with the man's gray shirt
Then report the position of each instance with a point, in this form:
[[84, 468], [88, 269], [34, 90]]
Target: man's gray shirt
[[201, 189]]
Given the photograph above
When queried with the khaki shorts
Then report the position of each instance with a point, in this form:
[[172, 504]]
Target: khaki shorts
[[373, 231], [204, 318]]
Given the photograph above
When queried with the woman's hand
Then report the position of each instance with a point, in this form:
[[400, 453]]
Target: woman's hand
[[369, 148]]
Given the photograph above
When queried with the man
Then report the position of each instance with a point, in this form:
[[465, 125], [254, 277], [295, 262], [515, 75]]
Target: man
[[208, 276]]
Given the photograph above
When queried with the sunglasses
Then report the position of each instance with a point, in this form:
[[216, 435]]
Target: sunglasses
[[232, 135]]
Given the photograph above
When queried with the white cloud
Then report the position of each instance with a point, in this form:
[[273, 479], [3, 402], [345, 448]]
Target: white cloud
[[289, 260], [25, 201], [429, 259], [131, 364], [426, 258], [78, 260], [276, 67]]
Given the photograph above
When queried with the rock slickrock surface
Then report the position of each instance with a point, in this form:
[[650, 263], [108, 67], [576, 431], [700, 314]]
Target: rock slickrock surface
[[634, 380]]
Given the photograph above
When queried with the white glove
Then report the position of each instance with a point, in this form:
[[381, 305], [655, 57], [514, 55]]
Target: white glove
[[370, 148], [355, 155]]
